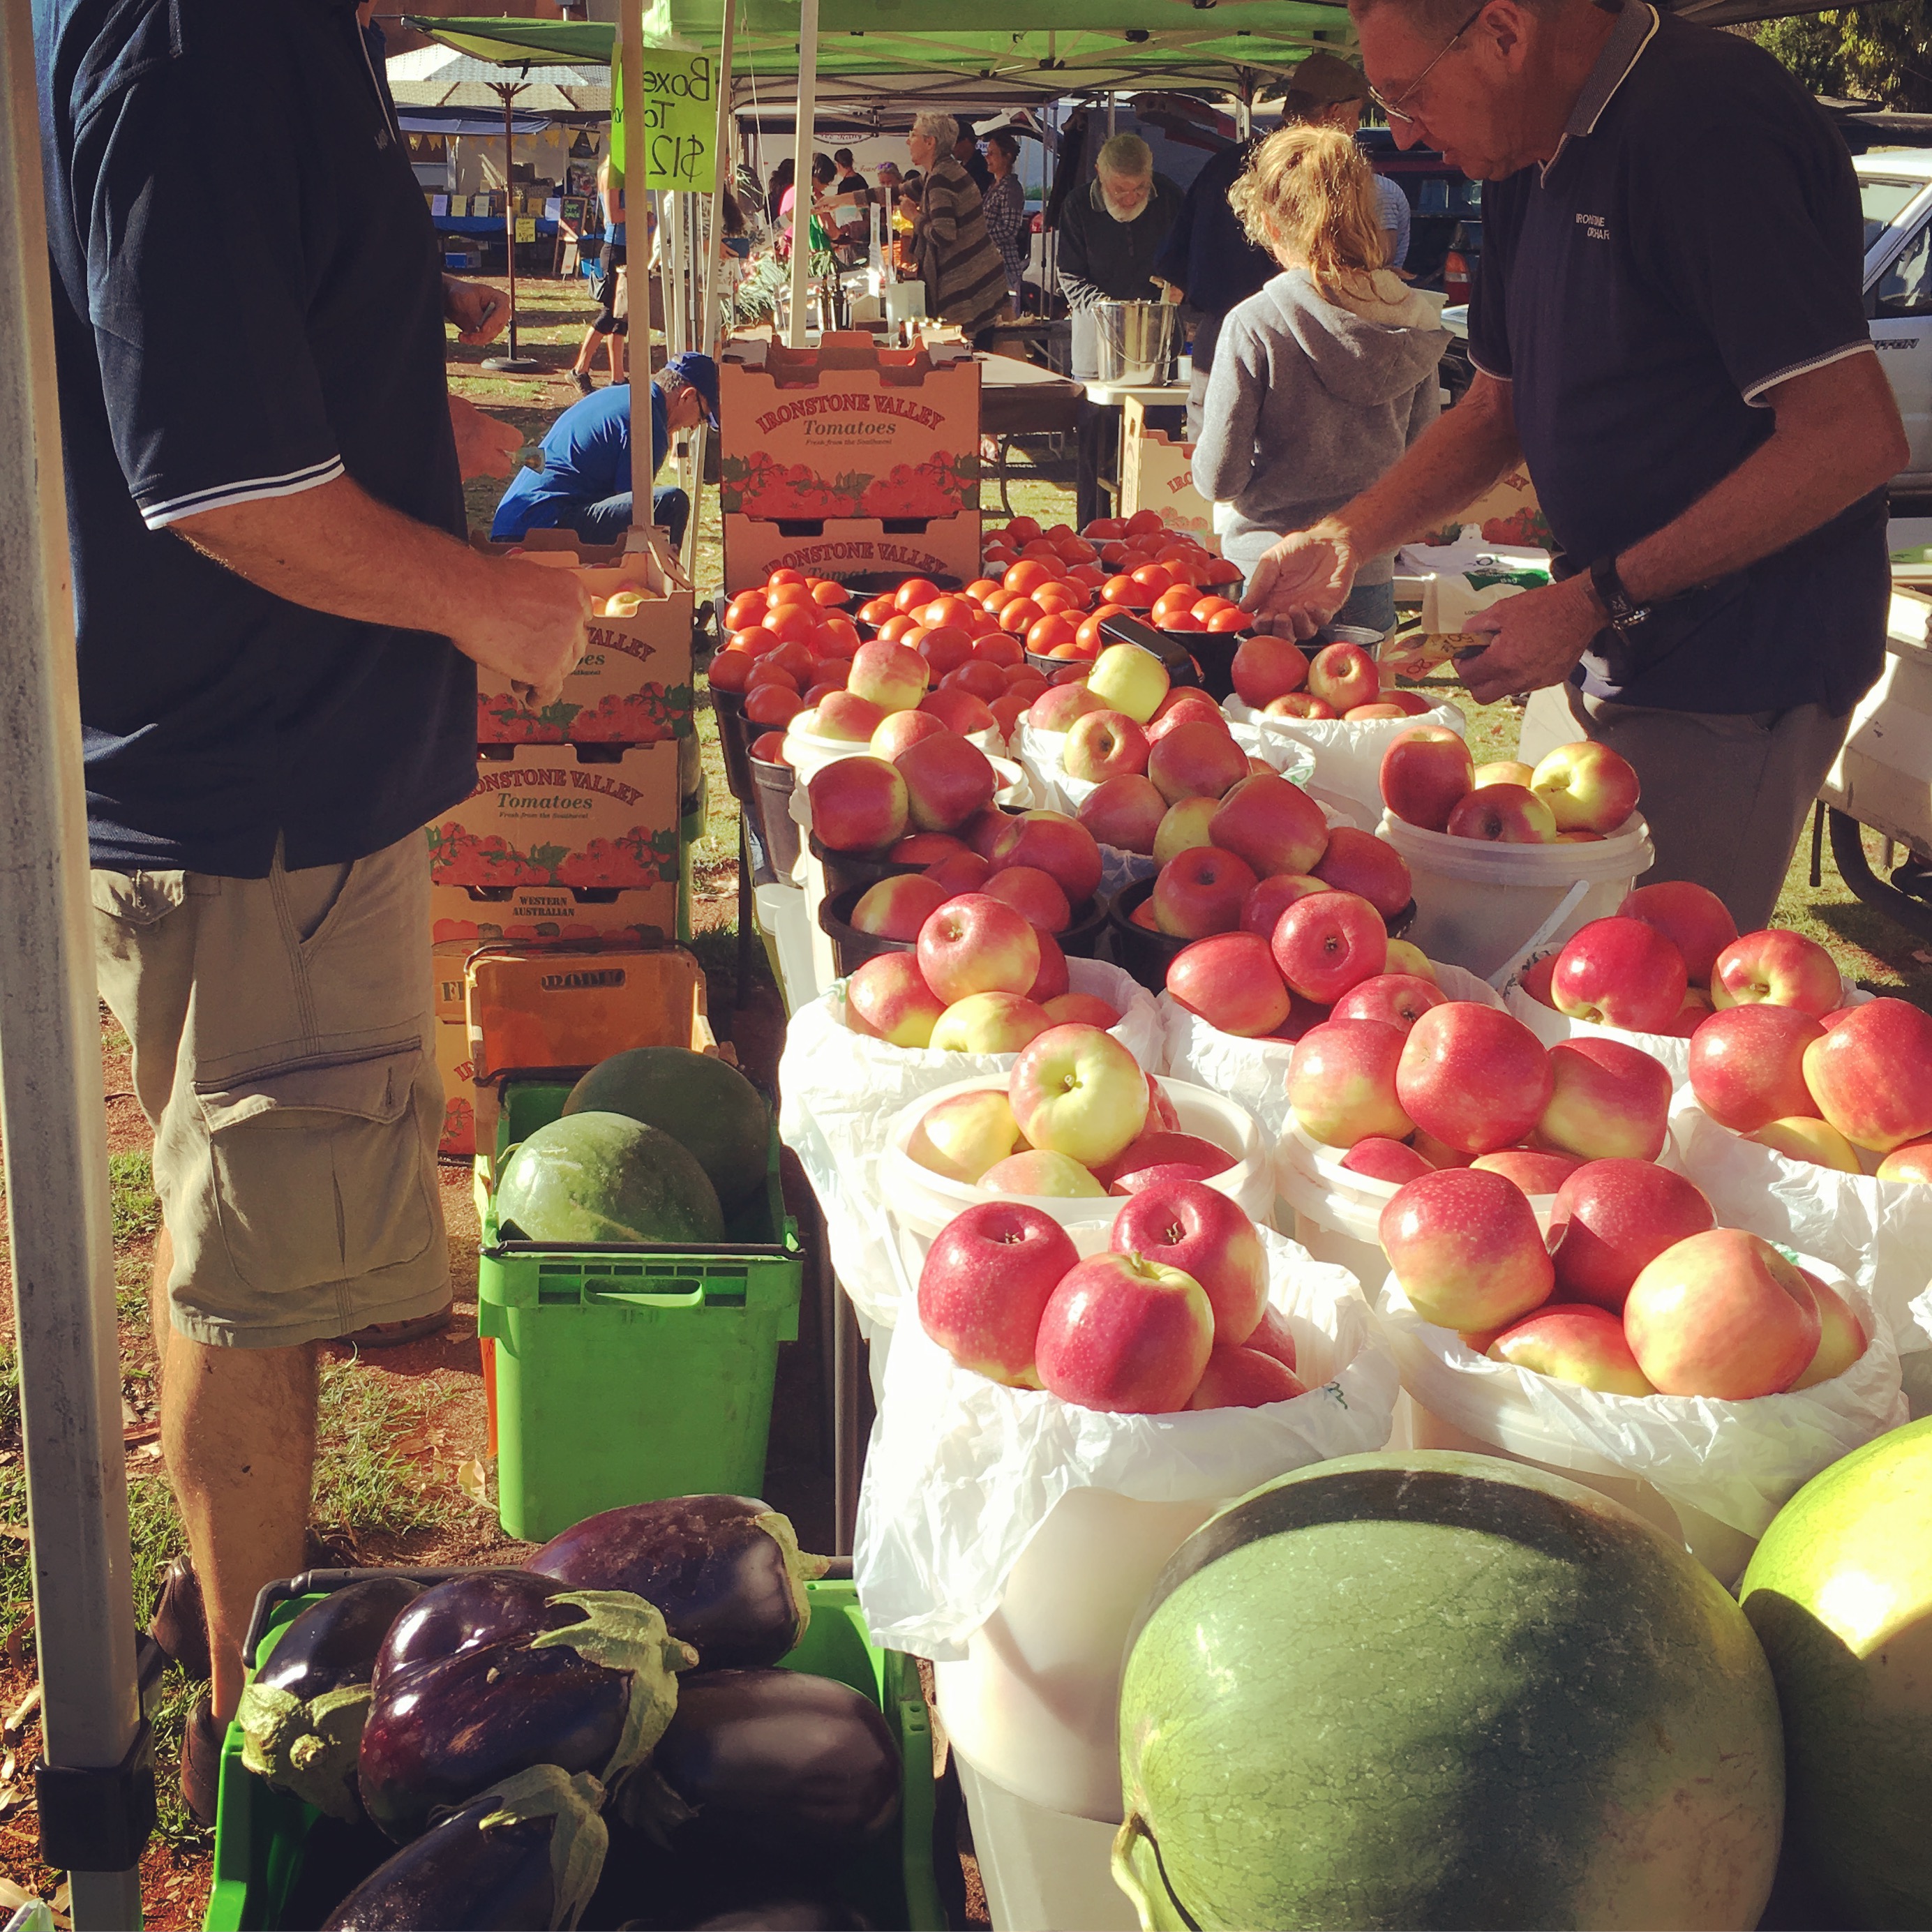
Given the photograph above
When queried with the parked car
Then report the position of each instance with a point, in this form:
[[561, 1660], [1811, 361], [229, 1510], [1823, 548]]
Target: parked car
[[1896, 190]]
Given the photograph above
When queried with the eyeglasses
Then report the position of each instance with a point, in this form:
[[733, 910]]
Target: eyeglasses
[[1393, 108]]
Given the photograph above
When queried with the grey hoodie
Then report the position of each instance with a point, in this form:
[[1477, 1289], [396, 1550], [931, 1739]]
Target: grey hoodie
[[1310, 402]]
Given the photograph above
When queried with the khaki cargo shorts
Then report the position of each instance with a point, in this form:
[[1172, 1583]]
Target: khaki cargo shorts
[[283, 1050]]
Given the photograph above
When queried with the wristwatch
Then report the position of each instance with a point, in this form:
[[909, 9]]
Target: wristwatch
[[1619, 607]]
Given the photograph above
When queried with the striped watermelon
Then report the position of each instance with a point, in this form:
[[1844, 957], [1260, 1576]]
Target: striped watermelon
[[1841, 1592], [1435, 1689]]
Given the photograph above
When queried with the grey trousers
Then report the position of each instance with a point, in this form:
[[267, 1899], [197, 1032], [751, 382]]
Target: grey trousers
[[1726, 794]]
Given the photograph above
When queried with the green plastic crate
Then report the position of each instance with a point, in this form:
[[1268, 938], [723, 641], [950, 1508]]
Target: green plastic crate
[[260, 1832], [623, 1374]]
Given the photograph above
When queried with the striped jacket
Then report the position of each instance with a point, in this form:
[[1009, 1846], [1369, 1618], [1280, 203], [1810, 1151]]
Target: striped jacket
[[965, 279]]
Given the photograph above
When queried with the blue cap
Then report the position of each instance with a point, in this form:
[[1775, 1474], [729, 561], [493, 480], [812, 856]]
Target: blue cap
[[700, 373]]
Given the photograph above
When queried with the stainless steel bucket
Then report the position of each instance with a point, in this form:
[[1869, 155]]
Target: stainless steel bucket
[[1133, 341]]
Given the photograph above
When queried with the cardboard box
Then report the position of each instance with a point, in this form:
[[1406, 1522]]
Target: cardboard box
[[946, 547], [556, 842], [458, 1139], [848, 430], [1507, 513], [1157, 472]]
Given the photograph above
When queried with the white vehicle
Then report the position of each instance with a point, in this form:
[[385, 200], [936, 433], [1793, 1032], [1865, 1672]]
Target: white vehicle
[[1896, 190]]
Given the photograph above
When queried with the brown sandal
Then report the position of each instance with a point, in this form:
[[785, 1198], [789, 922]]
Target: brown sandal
[[394, 1334]]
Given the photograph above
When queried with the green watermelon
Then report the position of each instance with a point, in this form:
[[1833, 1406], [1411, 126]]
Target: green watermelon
[[1840, 1591], [1437, 1690], [704, 1104], [604, 1178]]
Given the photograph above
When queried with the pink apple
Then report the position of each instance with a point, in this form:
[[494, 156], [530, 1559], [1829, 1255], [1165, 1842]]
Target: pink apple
[[1440, 1153], [1179, 707], [1161, 1112], [961, 872], [1043, 1175], [1398, 1000], [844, 715], [1243, 1379], [857, 804], [1573, 1343], [1327, 942], [1199, 1230], [1425, 774], [1841, 1335], [1057, 845], [974, 944], [985, 682], [1466, 1249], [1182, 827], [1588, 786], [962, 1135], [1692, 917], [1536, 980], [1406, 957], [1619, 973], [1230, 979], [1608, 1101], [1810, 1140], [1124, 812], [1911, 1162], [1503, 814], [1161, 1155], [1104, 745], [989, 1023], [1298, 704], [1358, 862], [1060, 706], [1871, 1075], [983, 831], [1612, 1219], [1036, 895], [1082, 1009], [924, 848], [1200, 892], [1747, 1065], [1473, 1077], [1273, 1337], [1267, 667], [1344, 675], [890, 675], [1723, 1314], [1381, 708], [959, 710], [1272, 823], [946, 781], [1126, 678], [1341, 1083], [1053, 979], [1695, 1010], [1380, 1159], [888, 998], [1077, 1090], [1503, 771], [1262, 909], [1125, 1336], [1534, 1170], [896, 907], [986, 1281], [1777, 967], [1197, 760]]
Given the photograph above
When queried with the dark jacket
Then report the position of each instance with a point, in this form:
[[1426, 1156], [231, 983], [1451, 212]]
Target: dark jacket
[[1102, 259], [1208, 256]]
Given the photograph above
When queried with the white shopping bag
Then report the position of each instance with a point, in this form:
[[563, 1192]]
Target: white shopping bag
[[1346, 755]]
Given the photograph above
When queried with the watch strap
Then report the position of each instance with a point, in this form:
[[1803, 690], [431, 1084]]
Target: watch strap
[[1619, 607]]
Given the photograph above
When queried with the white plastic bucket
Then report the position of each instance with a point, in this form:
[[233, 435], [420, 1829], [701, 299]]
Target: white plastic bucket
[[1478, 904], [808, 754], [1041, 1868], [787, 928]]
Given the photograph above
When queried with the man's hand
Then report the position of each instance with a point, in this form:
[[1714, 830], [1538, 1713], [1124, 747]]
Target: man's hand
[[1169, 293], [532, 627], [1303, 580], [486, 445], [1540, 635], [479, 311]]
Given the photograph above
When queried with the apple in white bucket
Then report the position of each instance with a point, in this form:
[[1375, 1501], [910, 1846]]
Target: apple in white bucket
[[985, 1283], [1723, 1314]]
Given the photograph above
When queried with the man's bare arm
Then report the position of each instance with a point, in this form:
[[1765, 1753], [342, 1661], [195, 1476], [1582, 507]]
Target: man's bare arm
[[335, 548]]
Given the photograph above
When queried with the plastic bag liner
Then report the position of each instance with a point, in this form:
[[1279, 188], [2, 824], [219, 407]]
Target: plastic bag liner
[[961, 1472], [1738, 1462], [1348, 753], [1255, 1071], [840, 1090], [1878, 1232], [1038, 753]]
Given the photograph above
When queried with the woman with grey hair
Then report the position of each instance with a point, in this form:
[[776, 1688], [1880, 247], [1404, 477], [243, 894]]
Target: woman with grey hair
[[952, 253]]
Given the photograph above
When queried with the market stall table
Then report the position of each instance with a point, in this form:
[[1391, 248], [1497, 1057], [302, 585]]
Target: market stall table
[[1019, 399]]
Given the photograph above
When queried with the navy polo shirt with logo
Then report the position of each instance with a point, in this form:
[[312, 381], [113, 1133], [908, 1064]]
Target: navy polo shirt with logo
[[247, 303], [1696, 241]]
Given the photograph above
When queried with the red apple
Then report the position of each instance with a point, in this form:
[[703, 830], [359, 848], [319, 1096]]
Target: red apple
[[890, 675], [1243, 1379], [1747, 1066], [1169, 1156], [1052, 980], [989, 1023], [1504, 815], [857, 804], [1179, 707], [1382, 1159], [1273, 1337], [1104, 745], [1230, 980], [1358, 862], [1588, 786], [1328, 942], [1473, 1077], [985, 682], [1262, 909], [974, 944], [1440, 1153], [1082, 1009], [1533, 1169], [1344, 675], [1124, 812], [1841, 1335], [1125, 1336], [1536, 978], [1692, 917], [1273, 824], [982, 831], [965, 1134], [888, 998], [1298, 704], [1382, 707], [962, 872], [1041, 1174], [1161, 1111], [1126, 678], [1608, 1101], [844, 714], [1778, 967], [1032, 893], [1581, 1345], [1466, 1249], [1695, 1010], [1722, 1314], [1196, 759], [1619, 973], [1811, 1140], [1503, 771], [946, 781], [1060, 706], [1911, 1163], [1612, 1219], [1267, 667], [1057, 845], [1077, 1090], [1398, 1000], [896, 907], [1183, 825], [1341, 1083], [1871, 1076], [987, 1279], [1199, 1230], [1200, 892], [958, 710], [924, 848]]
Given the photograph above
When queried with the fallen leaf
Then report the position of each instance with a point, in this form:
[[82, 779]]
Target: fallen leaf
[[473, 1480], [18, 1531]]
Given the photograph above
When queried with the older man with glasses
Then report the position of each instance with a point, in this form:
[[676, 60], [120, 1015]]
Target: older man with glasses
[[1667, 326]]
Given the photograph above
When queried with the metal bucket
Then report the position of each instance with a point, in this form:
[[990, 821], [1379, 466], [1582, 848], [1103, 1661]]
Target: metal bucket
[[1133, 341]]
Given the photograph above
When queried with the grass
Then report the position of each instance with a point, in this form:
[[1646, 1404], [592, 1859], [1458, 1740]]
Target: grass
[[131, 1187], [362, 1487]]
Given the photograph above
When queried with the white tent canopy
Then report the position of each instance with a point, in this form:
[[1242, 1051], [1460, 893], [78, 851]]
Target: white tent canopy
[[439, 77]]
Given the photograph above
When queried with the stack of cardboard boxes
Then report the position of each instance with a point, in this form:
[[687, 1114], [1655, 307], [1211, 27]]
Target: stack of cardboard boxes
[[1157, 470]]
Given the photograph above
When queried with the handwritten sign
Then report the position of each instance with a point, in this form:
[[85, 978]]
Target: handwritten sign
[[677, 124], [526, 228]]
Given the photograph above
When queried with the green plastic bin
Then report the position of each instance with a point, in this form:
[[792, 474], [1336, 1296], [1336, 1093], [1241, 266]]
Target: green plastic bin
[[623, 1374], [261, 1834]]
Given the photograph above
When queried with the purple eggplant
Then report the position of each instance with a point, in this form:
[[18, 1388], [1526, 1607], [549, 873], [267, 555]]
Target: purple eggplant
[[489, 1674], [773, 1760], [524, 1856], [302, 1713], [726, 1571]]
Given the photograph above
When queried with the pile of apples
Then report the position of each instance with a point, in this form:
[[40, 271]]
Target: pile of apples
[[1579, 794], [1175, 1316], [1279, 679], [1077, 1120], [1635, 1291]]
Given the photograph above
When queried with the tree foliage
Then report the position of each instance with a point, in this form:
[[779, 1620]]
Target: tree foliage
[[1882, 53]]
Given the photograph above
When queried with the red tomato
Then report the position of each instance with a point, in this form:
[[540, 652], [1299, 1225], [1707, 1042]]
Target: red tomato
[[1182, 620], [1205, 607], [1173, 603], [770, 749], [1075, 652], [1024, 677], [793, 623], [1144, 523], [765, 672], [1089, 574], [731, 669], [1105, 529], [999, 649], [893, 630], [944, 611], [836, 671], [1023, 530], [784, 595], [823, 688], [1019, 616], [1153, 578], [754, 642], [875, 610], [799, 659], [975, 592], [745, 609], [1076, 550], [945, 647], [1051, 630], [1027, 573], [1041, 551], [786, 577], [1225, 621], [914, 592], [997, 600], [773, 705], [1089, 633], [1127, 593], [823, 591], [836, 637]]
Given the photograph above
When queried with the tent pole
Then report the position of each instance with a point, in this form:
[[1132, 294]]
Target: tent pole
[[720, 144], [631, 54], [516, 364], [50, 1088], [801, 176]]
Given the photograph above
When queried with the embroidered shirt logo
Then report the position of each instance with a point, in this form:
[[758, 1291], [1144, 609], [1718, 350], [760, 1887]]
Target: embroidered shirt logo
[[1595, 227]]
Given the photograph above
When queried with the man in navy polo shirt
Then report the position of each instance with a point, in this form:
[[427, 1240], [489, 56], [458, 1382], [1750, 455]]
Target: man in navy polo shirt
[[279, 622], [1668, 325]]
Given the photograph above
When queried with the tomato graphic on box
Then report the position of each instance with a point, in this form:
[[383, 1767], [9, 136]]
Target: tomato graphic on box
[[759, 485], [941, 486], [645, 717]]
